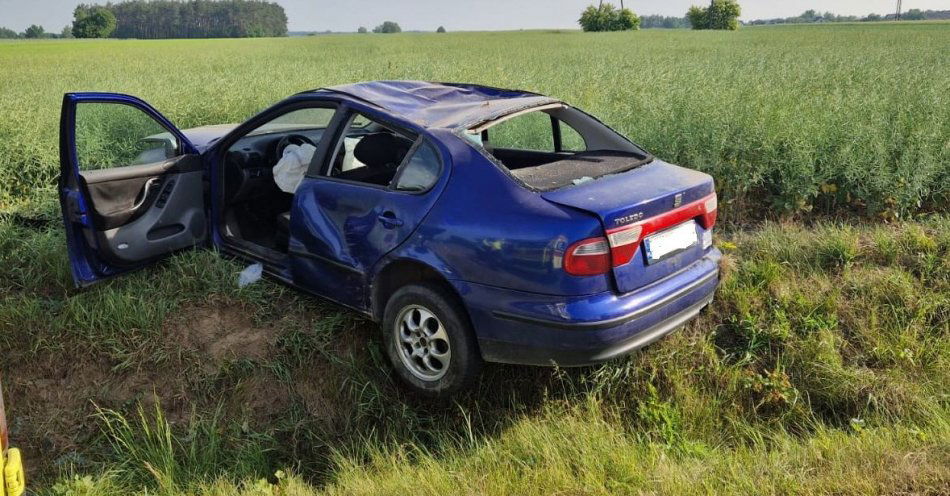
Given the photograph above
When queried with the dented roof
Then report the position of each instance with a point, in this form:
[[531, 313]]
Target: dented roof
[[442, 105]]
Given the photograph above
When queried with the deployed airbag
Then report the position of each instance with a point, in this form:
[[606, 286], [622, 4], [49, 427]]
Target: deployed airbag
[[292, 166]]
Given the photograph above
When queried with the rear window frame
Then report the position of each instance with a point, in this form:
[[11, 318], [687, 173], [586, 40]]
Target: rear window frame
[[465, 133]]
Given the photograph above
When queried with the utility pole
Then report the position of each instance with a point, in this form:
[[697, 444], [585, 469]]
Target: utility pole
[[898, 10]]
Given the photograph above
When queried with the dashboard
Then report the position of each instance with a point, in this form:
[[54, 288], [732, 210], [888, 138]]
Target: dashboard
[[250, 161]]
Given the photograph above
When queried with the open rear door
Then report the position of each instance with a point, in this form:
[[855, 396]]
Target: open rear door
[[131, 185]]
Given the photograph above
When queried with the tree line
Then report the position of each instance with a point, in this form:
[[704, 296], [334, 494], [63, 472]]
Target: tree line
[[390, 27], [150, 19], [724, 14], [169, 19], [813, 16], [663, 22], [34, 32]]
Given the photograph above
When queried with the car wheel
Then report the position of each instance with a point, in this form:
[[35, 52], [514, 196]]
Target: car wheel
[[429, 340]]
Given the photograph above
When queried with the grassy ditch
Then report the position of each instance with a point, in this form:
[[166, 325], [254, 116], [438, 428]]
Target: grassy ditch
[[822, 366]]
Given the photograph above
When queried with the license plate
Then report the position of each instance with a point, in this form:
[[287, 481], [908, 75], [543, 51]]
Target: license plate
[[670, 241]]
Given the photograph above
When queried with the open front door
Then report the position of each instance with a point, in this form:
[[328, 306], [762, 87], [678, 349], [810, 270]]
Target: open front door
[[131, 185]]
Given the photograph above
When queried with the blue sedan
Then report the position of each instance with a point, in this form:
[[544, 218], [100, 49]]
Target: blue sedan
[[472, 223]]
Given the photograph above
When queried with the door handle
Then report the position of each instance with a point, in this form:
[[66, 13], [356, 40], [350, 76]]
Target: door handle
[[389, 220], [146, 192]]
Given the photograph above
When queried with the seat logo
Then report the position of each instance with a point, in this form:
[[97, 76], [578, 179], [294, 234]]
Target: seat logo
[[677, 199]]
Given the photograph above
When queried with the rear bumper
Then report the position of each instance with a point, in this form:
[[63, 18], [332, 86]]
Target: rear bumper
[[531, 329]]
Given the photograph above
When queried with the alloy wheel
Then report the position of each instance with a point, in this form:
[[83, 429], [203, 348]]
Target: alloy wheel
[[422, 343]]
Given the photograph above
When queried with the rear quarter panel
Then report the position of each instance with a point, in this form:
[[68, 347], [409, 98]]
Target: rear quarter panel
[[486, 229]]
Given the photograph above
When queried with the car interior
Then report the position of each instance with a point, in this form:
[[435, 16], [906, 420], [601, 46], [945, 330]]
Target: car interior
[[257, 210], [556, 146]]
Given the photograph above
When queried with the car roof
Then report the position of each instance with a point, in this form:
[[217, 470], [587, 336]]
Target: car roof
[[441, 105]]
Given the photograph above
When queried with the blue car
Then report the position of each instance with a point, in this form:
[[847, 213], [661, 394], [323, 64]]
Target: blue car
[[472, 223]]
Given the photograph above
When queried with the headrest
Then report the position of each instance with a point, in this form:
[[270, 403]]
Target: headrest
[[380, 150]]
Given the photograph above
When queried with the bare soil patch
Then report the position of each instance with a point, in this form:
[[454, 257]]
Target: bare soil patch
[[221, 333], [53, 401]]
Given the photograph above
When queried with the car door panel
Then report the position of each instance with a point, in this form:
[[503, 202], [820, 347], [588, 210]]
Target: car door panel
[[166, 225], [339, 231], [121, 217], [117, 202], [122, 194]]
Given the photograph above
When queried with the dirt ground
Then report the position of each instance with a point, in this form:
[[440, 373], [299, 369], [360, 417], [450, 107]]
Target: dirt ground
[[55, 400]]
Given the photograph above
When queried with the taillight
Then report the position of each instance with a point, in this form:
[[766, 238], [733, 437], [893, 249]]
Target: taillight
[[624, 242], [589, 257], [710, 210], [594, 256]]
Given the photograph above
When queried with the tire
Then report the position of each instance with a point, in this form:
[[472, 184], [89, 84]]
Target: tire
[[424, 327]]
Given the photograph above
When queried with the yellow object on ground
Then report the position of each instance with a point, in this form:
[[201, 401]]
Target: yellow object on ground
[[14, 477]]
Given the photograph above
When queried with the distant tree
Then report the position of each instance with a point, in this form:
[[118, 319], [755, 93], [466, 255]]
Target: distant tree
[[362, 30], [34, 31], [625, 20], [591, 19], [388, 27], [697, 17], [93, 22], [606, 17], [7, 33], [67, 32], [872, 18], [440, 30], [721, 14], [724, 14], [913, 15]]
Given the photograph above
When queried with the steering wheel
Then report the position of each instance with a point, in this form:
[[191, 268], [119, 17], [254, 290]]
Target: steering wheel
[[292, 139]]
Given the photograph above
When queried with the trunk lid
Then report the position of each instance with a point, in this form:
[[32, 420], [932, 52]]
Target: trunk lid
[[650, 198]]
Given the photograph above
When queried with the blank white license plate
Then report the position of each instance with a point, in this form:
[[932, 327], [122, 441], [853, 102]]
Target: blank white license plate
[[670, 241]]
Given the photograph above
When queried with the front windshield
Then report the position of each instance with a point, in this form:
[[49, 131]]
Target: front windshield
[[302, 120], [298, 120]]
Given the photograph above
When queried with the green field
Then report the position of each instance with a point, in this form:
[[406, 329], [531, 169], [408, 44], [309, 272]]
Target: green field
[[823, 366], [774, 113]]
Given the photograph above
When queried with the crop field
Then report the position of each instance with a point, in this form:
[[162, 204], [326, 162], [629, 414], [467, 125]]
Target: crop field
[[788, 119], [823, 366]]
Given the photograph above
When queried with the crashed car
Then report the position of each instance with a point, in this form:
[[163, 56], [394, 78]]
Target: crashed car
[[11, 463], [472, 223]]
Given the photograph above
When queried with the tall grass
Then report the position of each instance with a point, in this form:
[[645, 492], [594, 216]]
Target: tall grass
[[788, 119], [573, 450], [821, 367], [150, 454]]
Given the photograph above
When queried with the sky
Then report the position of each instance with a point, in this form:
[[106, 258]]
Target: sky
[[459, 15]]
